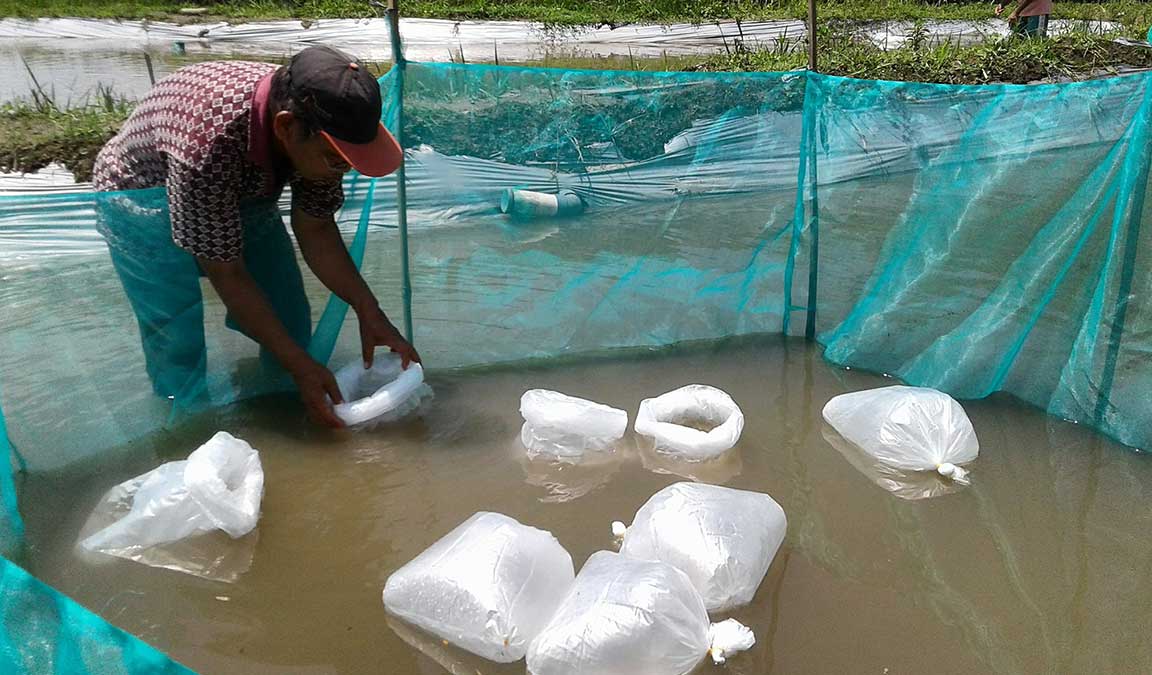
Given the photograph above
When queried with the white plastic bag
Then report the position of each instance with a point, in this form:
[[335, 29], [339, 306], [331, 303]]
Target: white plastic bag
[[723, 539], [488, 586], [694, 422], [630, 617], [381, 394], [219, 487], [909, 428], [910, 485], [565, 427]]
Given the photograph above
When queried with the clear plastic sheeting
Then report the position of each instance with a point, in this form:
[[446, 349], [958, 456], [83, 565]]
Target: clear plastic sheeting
[[424, 39], [723, 539], [384, 393], [695, 422], [489, 586], [218, 488], [626, 616], [566, 428], [907, 428]]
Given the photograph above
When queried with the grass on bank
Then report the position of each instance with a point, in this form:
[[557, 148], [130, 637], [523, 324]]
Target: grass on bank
[[1134, 15], [1074, 56], [38, 131]]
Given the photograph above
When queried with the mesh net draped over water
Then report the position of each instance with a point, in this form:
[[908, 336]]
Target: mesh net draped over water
[[975, 239]]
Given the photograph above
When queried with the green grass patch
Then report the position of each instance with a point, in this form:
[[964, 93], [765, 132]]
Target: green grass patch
[[35, 132], [1074, 56]]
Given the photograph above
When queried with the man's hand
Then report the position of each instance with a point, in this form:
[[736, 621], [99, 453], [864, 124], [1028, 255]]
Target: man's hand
[[999, 8], [318, 391], [377, 331]]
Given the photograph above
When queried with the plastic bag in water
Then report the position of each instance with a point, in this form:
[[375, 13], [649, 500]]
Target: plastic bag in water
[[565, 427], [723, 539], [695, 422], [381, 394], [910, 485], [909, 428], [488, 586], [219, 487], [626, 617]]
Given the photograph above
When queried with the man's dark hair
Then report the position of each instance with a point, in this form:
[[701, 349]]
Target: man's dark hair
[[281, 100]]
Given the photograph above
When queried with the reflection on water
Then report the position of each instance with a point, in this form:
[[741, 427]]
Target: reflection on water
[[1041, 565]]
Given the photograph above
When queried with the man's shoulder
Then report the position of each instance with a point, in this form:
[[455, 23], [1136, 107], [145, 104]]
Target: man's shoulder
[[201, 108], [215, 73]]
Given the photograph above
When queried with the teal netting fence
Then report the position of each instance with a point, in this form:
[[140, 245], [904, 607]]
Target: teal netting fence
[[972, 239]]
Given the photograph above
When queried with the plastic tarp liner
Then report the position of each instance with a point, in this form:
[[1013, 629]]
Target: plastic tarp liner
[[907, 428], [424, 39], [384, 393], [565, 427], [625, 616], [489, 586], [723, 539], [47, 633]]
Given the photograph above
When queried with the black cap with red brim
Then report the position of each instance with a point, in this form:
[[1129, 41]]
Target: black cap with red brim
[[346, 98]]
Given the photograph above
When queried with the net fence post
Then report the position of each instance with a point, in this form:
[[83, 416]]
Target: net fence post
[[813, 177], [400, 64]]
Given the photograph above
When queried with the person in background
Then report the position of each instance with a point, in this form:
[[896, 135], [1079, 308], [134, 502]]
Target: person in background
[[1030, 18], [223, 139]]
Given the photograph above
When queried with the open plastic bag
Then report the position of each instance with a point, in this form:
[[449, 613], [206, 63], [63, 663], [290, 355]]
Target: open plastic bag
[[695, 422], [723, 539], [218, 488], [488, 586], [626, 617], [565, 427], [909, 428], [381, 394]]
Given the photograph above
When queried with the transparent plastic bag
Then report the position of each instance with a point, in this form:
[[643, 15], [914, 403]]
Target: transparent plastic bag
[[908, 428], [384, 393], [910, 485], [723, 539], [218, 488], [626, 617], [565, 427], [488, 586], [695, 422]]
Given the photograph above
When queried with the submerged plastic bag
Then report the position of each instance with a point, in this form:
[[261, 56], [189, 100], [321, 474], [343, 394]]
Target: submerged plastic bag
[[488, 586], [219, 487], [910, 485], [723, 539], [909, 428], [626, 617], [694, 422], [566, 427], [381, 394]]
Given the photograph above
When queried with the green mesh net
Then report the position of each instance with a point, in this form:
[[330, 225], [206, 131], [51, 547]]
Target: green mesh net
[[973, 239]]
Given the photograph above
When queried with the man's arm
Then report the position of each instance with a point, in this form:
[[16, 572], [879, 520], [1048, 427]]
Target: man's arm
[[326, 255], [1004, 3], [249, 307]]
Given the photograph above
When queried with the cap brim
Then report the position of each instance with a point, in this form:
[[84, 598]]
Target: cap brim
[[379, 157]]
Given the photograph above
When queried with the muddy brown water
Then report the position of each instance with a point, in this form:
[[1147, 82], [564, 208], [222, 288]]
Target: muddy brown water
[[1041, 565]]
